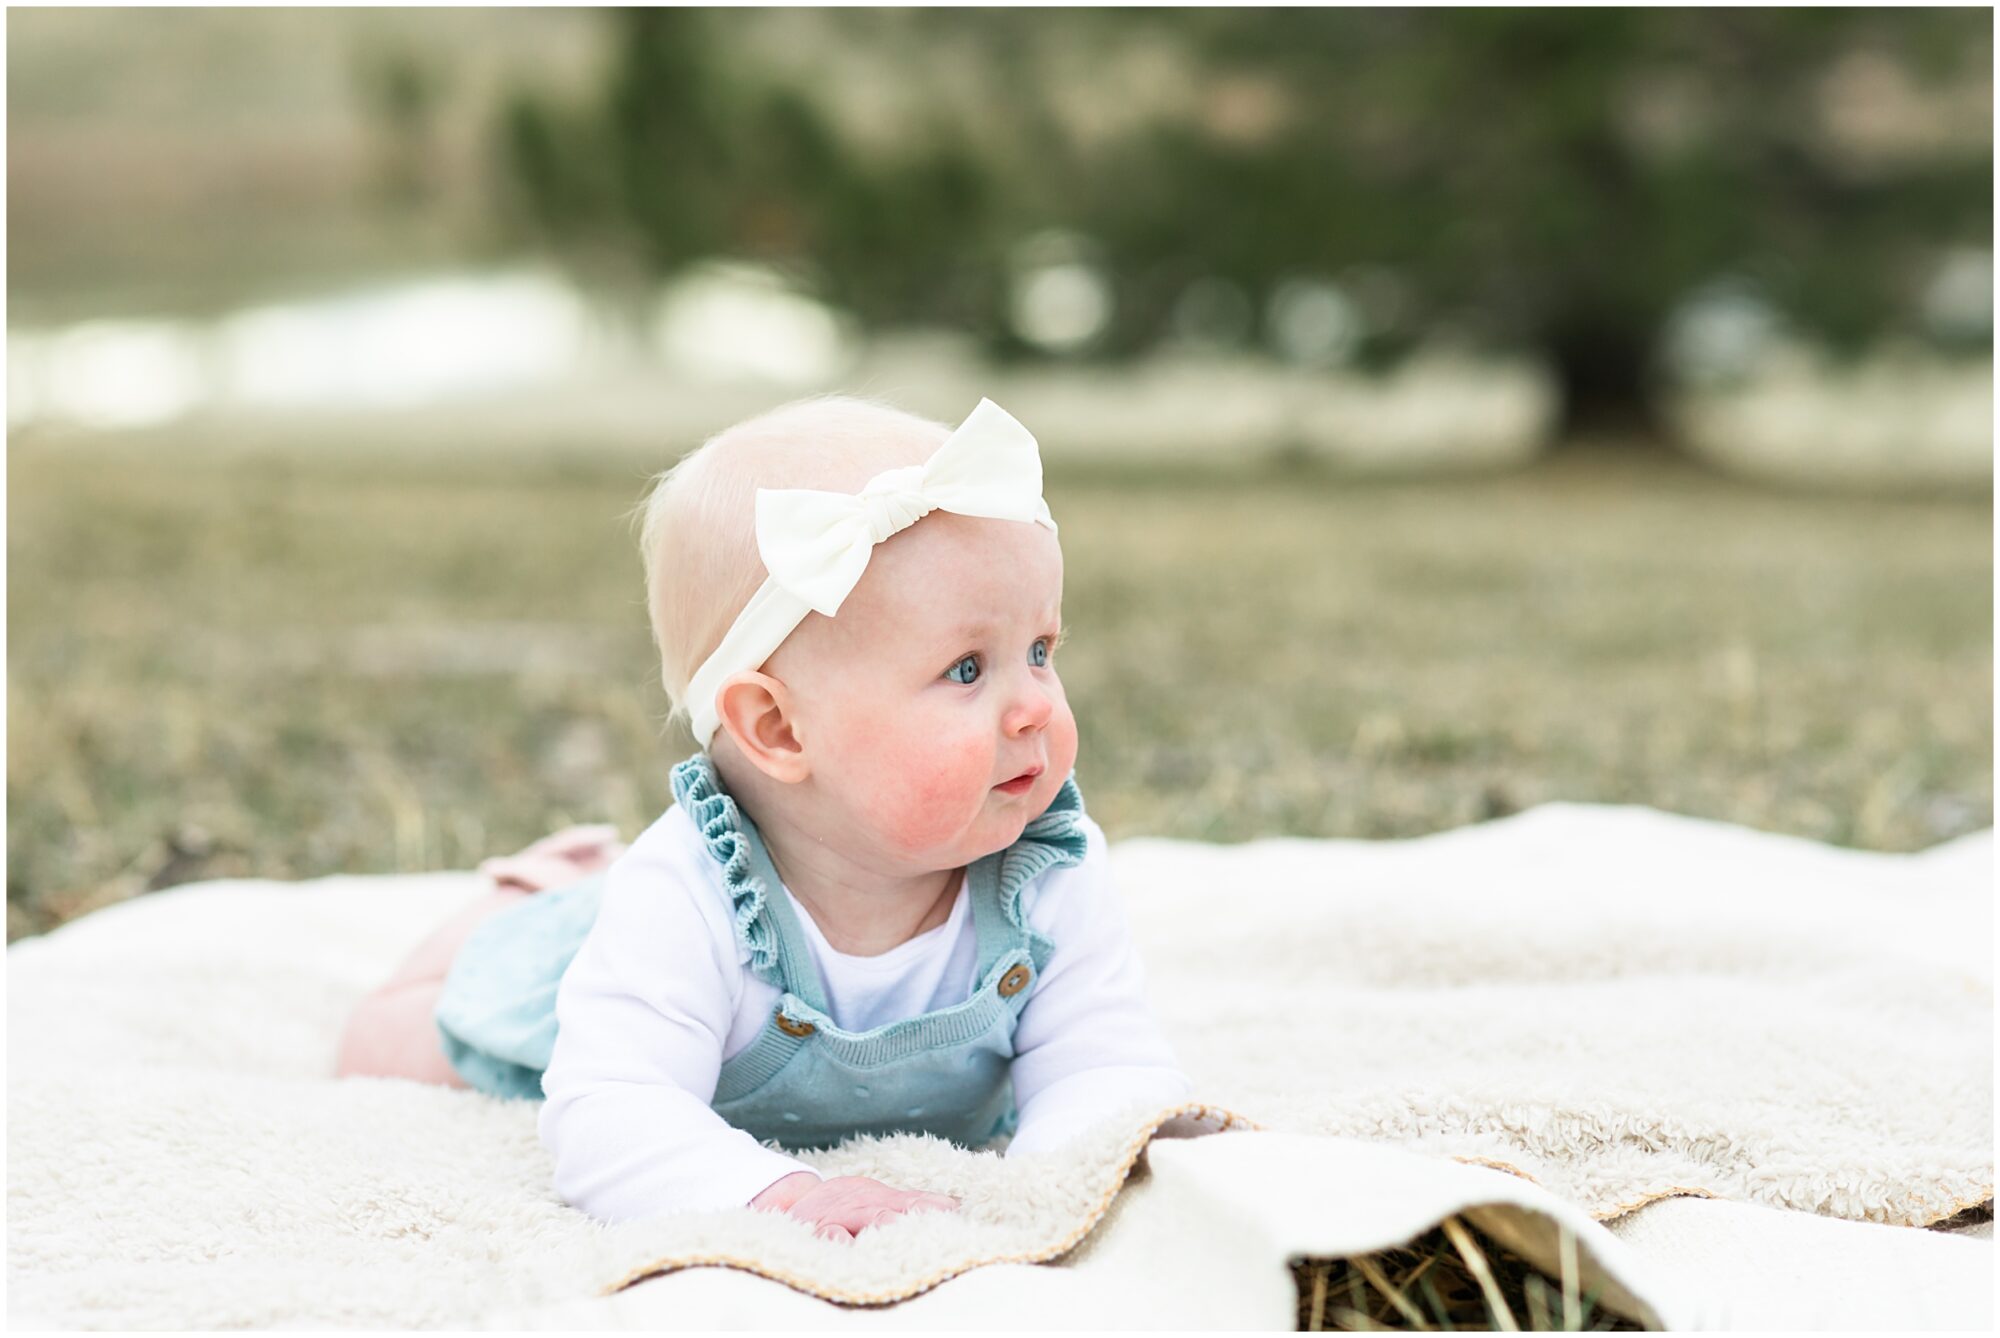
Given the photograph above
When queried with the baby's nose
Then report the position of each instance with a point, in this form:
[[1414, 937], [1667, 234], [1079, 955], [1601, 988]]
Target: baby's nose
[[1032, 711]]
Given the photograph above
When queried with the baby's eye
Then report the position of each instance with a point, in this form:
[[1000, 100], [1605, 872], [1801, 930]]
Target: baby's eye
[[1038, 654], [952, 673]]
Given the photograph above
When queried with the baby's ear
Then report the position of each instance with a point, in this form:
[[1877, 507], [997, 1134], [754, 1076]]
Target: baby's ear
[[755, 709]]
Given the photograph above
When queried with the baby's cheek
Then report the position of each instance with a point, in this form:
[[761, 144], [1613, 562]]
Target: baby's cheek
[[1062, 740], [1062, 744], [932, 792]]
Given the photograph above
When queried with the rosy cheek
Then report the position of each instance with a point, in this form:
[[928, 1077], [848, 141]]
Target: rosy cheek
[[1065, 744], [1062, 746], [935, 790]]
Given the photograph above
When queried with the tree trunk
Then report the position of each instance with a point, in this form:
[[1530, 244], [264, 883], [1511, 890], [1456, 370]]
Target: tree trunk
[[1602, 367]]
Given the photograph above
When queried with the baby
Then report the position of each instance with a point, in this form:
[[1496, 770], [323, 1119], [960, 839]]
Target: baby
[[876, 905]]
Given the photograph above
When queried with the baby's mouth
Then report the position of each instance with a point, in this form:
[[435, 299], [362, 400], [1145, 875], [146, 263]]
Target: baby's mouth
[[1020, 783]]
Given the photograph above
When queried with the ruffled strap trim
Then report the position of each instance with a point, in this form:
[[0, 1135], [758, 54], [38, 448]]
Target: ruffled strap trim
[[1052, 839], [699, 790]]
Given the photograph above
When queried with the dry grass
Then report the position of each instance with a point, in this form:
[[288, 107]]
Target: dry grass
[[288, 663], [1450, 1277]]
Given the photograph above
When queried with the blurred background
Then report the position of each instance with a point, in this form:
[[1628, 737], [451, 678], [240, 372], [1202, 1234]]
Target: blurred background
[[1448, 411]]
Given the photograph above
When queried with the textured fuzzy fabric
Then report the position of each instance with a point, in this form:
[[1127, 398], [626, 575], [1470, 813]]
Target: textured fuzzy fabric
[[1616, 1004], [1620, 1003]]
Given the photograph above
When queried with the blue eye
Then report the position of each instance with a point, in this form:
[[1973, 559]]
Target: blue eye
[[952, 673], [1038, 654]]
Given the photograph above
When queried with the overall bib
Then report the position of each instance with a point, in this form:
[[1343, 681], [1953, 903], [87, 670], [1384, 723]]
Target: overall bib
[[803, 1082]]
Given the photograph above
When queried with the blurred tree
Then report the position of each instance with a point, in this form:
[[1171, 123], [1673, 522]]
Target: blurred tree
[[1561, 177], [1556, 179], [687, 154], [400, 94]]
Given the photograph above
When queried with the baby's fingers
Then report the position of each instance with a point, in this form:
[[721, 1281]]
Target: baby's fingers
[[940, 1203], [854, 1221]]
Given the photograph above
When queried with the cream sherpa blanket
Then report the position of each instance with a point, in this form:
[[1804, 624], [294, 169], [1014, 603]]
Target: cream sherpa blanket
[[1546, 1022]]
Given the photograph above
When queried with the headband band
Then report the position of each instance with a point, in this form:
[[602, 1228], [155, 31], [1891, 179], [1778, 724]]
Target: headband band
[[816, 544]]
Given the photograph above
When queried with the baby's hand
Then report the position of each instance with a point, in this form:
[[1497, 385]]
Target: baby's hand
[[846, 1204]]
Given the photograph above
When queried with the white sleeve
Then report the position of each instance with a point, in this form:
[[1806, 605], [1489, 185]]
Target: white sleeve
[[641, 1018], [1087, 1046]]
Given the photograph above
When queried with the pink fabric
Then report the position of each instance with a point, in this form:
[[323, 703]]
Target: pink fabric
[[562, 857]]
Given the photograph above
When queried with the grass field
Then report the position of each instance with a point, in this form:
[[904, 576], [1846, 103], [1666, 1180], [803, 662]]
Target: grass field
[[286, 664]]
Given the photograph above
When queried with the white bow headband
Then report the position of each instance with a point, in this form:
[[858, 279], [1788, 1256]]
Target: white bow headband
[[816, 544]]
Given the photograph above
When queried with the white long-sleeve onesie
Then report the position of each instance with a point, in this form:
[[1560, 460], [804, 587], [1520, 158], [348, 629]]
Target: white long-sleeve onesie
[[661, 993]]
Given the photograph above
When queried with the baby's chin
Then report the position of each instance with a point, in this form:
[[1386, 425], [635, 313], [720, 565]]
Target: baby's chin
[[997, 825], [1013, 812]]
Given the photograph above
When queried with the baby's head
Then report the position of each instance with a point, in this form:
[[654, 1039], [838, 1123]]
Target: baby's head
[[887, 728]]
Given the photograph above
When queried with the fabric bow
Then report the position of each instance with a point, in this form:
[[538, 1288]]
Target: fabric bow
[[815, 544]]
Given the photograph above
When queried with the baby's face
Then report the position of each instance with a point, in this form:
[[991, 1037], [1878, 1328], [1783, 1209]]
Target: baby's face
[[934, 686]]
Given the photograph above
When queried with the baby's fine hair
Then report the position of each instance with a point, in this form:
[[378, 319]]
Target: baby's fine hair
[[698, 539]]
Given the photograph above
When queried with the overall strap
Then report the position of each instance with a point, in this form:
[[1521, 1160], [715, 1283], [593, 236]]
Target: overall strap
[[1052, 840], [996, 935], [798, 974]]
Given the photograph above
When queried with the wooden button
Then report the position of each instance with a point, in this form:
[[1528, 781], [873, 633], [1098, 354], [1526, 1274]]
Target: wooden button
[[793, 1028], [1015, 981]]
